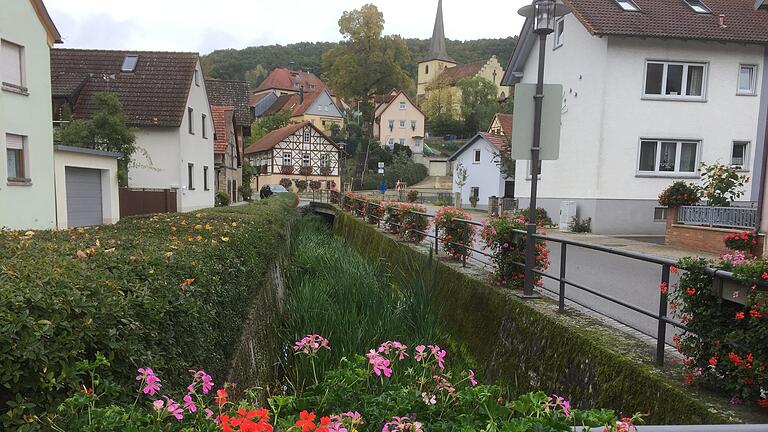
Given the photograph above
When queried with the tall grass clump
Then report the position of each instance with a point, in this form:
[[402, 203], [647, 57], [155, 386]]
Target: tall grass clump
[[354, 303]]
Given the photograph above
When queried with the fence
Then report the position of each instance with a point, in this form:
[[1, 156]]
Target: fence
[[724, 217], [134, 202], [565, 284]]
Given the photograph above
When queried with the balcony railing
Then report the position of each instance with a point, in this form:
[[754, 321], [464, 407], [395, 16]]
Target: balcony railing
[[723, 217]]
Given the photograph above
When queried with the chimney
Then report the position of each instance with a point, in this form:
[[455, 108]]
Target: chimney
[[722, 21], [301, 94]]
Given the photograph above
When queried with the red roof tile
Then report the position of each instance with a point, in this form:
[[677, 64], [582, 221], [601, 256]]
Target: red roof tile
[[271, 139], [221, 115], [505, 120], [498, 141], [675, 19], [286, 79]]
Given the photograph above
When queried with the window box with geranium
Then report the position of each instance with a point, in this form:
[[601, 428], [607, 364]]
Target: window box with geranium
[[744, 241], [325, 170], [305, 170], [286, 169], [455, 236], [508, 247]]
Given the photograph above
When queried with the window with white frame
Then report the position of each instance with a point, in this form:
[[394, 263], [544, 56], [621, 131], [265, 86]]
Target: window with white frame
[[698, 6], [287, 159], [477, 156], [668, 157], [325, 160], [15, 155], [474, 192], [417, 142], [628, 5], [675, 80], [12, 64], [402, 124], [740, 154], [305, 160], [391, 142], [747, 80], [402, 105], [307, 135], [402, 141], [559, 29]]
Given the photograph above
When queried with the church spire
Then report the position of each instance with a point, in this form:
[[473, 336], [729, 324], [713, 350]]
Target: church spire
[[437, 47]]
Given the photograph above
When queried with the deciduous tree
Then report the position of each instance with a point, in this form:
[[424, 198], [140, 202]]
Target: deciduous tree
[[478, 103]]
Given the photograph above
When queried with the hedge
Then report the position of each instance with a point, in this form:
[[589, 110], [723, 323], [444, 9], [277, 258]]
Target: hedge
[[525, 345], [169, 291]]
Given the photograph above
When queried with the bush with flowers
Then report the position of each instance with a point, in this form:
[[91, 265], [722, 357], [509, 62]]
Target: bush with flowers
[[727, 345], [400, 219], [374, 210], [508, 248], [680, 193], [455, 236], [348, 203], [744, 241]]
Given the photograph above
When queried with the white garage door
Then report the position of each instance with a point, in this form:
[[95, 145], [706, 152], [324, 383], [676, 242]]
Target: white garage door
[[83, 197]]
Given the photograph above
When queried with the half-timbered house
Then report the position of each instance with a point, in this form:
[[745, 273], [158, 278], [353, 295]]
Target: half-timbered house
[[300, 153]]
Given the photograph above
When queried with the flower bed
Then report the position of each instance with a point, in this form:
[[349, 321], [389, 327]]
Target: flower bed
[[172, 289], [456, 237], [508, 247], [744, 241]]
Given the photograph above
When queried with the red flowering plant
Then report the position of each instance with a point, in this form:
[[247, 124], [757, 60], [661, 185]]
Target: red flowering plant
[[508, 247], [358, 205], [374, 210], [727, 345], [456, 237], [679, 194], [400, 219], [744, 241], [349, 201]]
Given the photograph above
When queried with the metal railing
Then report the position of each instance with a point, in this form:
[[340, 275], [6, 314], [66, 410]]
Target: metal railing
[[725, 217], [566, 284]]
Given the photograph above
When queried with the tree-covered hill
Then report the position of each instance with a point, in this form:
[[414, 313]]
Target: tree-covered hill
[[254, 63]]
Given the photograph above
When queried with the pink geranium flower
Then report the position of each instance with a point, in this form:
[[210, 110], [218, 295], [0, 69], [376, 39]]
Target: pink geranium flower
[[150, 380], [379, 363]]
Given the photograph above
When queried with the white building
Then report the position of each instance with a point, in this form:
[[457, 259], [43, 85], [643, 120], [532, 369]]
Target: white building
[[26, 133], [397, 120], [163, 96], [651, 90], [480, 158]]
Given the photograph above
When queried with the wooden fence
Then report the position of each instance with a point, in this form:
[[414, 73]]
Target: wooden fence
[[135, 202]]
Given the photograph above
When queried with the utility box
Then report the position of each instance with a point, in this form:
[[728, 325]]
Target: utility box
[[567, 213]]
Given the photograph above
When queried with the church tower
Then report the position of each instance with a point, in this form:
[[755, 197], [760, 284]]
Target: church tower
[[437, 58]]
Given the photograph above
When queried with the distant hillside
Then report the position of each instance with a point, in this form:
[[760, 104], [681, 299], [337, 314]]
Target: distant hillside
[[252, 64]]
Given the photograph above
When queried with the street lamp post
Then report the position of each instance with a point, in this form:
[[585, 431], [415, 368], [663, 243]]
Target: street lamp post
[[543, 12]]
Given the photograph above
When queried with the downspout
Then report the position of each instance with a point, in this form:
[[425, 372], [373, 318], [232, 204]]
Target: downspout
[[763, 140]]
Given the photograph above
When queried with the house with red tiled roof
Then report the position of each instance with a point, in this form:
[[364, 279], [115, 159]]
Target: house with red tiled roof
[[316, 107], [163, 96], [651, 89], [479, 159], [397, 120], [501, 125], [283, 81], [298, 156]]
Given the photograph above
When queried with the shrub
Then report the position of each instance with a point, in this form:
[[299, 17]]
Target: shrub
[[579, 225], [286, 183], [314, 184], [679, 194], [412, 196], [348, 201], [358, 205], [400, 220], [508, 247], [542, 218], [456, 237], [744, 241], [301, 185], [221, 199], [171, 289], [727, 346], [722, 184]]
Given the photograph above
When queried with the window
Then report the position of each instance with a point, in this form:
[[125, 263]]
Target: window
[[12, 63], [698, 6], [402, 124], [402, 141], [668, 157], [190, 176], [391, 124], [205, 178], [675, 80], [129, 63], [191, 120], [475, 192], [197, 78], [391, 142], [747, 80], [740, 154], [287, 159], [305, 160], [416, 142], [307, 135], [628, 5], [413, 124], [15, 156], [402, 105], [205, 131], [659, 214], [325, 160], [477, 156], [426, 69], [559, 28]]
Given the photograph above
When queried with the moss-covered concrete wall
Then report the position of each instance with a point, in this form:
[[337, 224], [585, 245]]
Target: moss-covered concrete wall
[[526, 346]]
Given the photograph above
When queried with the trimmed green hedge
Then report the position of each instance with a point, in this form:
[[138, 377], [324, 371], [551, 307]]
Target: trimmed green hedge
[[168, 292], [526, 346]]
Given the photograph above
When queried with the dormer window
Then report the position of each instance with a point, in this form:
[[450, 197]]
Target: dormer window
[[698, 6], [628, 5], [129, 63]]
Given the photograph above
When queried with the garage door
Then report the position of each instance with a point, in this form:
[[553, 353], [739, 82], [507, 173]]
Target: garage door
[[83, 197]]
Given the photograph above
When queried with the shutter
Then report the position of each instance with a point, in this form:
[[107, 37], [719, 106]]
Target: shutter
[[14, 141], [10, 59]]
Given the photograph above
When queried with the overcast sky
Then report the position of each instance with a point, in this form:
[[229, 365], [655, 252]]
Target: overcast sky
[[193, 25]]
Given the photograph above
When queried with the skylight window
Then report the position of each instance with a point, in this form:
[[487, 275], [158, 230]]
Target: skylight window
[[129, 63], [698, 6], [628, 5]]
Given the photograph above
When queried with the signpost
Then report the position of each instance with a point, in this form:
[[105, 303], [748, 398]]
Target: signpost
[[523, 124]]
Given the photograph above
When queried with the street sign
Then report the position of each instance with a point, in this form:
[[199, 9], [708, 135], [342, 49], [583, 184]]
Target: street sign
[[381, 170], [522, 121], [381, 165]]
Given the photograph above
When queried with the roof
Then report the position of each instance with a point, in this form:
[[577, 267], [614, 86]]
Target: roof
[[231, 93], [271, 139], [505, 120], [88, 151], [220, 116], [455, 74], [392, 99], [45, 19], [291, 80], [437, 46], [497, 141], [674, 19], [293, 103], [254, 99], [154, 95]]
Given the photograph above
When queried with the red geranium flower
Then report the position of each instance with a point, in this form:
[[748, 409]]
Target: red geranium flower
[[762, 403], [306, 421], [221, 396], [691, 291], [740, 315], [663, 287], [755, 313], [325, 422], [712, 361]]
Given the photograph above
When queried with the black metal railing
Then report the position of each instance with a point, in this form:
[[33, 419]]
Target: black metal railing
[[661, 315]]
